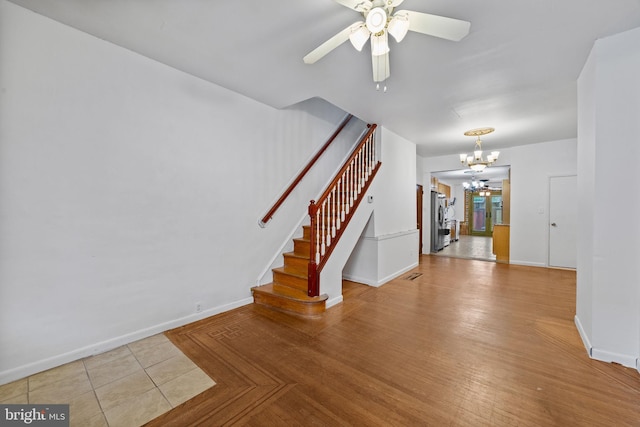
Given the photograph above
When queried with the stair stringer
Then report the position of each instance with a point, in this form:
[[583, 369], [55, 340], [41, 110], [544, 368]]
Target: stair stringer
[[331, 273]]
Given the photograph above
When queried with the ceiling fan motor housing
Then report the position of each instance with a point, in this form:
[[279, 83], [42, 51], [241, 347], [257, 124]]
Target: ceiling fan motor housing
[[376, 20]]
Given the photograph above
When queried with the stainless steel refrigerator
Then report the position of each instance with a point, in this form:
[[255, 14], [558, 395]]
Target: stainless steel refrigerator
[[438, 221]]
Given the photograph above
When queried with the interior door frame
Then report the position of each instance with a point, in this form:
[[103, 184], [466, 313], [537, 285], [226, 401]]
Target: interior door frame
[[489, 220], [419, 206], [550, 220]]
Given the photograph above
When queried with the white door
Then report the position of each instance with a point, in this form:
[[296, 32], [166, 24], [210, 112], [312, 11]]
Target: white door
[[563, 214]]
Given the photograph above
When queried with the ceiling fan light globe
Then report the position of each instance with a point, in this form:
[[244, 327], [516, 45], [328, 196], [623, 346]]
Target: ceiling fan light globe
[[359, 37], [398, 26], [379, 44]]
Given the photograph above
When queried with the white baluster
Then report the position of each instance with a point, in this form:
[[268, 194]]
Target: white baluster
[[339, 217], [351, 184], [322, 232], [366, 161], [369, 157], [369, 163], [328, 231], [342, 197], [346, 190], [373, 154], [355, 178], [317, 236], [373, 144], [333, 213], [359, 162]]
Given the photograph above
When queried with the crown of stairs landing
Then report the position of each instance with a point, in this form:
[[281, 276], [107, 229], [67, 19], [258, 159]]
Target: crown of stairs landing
[[288, 291]]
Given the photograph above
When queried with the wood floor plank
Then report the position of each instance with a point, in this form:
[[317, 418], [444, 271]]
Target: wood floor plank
[[453, 342]]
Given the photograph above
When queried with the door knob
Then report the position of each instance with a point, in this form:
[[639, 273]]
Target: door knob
[[553, 224]]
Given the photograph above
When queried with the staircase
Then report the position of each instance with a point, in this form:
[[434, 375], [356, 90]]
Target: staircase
[[296, 285], [288, 291]]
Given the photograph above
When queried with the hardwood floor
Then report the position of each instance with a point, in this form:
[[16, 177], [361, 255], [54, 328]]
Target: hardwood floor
[[465, 343]]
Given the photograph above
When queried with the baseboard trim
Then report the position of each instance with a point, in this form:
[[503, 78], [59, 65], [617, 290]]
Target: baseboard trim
[[334, 301], [527, 263], [358, 279], [397, 273], [603, 355], [583, 335], [103, 346], [608, 356], [377, 283]]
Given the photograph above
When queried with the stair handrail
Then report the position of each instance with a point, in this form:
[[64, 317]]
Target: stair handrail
[[342, 197], [267, 217]]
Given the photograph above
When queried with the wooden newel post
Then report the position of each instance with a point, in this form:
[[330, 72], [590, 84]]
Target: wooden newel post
[[312, 270], [312, 276]]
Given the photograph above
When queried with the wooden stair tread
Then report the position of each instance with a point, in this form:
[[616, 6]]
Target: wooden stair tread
[[282, 270], [289, 300], [290, 293], [295, 255]]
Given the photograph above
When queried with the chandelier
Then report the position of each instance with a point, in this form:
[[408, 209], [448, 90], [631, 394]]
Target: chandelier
[[477, 162], [479, 187]]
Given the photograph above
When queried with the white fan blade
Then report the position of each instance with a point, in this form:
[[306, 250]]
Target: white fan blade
[[357, 5], [437, 26], [380, 67], [328, 46]]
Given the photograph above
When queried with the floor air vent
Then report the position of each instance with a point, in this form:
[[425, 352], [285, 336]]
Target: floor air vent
[[413, 276]]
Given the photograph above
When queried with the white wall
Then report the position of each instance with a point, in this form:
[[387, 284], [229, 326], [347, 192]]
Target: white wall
[[608, 297], [388, 245], [531, 167], [130, 191]]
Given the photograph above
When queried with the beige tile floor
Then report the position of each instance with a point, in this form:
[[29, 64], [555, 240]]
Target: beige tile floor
[[128, 386], [470, 247]]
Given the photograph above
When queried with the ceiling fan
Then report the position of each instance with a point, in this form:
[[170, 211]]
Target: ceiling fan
[[379, 21]]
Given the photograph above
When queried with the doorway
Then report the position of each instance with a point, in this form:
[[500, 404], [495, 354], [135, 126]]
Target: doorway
[[563, 210], [464, 242], [419, 194], [484, 211]]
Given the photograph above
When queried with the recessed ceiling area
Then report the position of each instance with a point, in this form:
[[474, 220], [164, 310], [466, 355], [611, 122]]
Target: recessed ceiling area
[[516, 70]]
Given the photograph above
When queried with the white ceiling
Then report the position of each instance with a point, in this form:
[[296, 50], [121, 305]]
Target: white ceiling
[[516, 71]]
